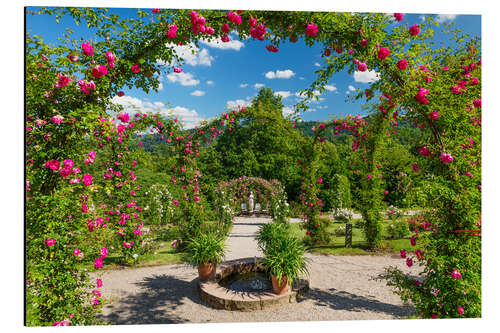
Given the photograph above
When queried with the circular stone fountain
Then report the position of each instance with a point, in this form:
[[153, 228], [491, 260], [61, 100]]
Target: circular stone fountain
[[244, 285]]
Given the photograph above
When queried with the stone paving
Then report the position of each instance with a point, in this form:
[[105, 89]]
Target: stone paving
[[341, 288]]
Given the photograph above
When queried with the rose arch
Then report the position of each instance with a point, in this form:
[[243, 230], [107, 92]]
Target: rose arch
[[268, 196], [80, 167]]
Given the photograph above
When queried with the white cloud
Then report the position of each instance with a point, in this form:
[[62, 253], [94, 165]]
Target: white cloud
[[303, 95], [238, 102], [233, 44], [210, 82], [131, 104], [197, 93], [366, 77], [198, 58], [351, 88], [189, 118], [301, 78], [441, 18], [184, 78], [317, 64], [422, 18], [330, 87], [243, 85], [283, 94], [287, 111], [160, 86], [322, 107], [286, 74], [258, 85], [390, 17]]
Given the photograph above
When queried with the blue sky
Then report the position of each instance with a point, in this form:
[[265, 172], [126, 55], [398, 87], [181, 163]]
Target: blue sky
[[230, 74]]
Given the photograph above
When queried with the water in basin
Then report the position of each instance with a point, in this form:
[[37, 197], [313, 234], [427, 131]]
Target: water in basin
[[249, 282]]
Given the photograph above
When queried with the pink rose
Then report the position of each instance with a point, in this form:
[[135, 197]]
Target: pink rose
[[135, 69], [63, 81], [398, 16], [124, 117], [311, 30], [177, 70], [73, 57], [409, 262], [50, 242], [362, 66], [456, 274], [446, 158], [424, 151], [87, 179], [460, 310], [421, 96], [104, 252], [383, 53], [414, 30], [57, 119], [402, 64], [53, 165], [99, 283], [87, 49], [434, 115], [98, 263]]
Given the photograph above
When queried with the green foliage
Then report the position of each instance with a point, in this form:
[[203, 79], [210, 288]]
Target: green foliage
[[206, 248], [159, 206], [340, 193], [340, 230], [262, 144], [317, 231], [269, 232], [397, 228], [284, 255], [395, 161]]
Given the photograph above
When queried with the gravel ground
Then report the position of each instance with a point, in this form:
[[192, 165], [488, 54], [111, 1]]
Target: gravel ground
[[341, 288]]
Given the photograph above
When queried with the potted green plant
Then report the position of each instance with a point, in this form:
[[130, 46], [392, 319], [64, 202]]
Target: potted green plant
[[270, 231], [205, 251], [284, 257]]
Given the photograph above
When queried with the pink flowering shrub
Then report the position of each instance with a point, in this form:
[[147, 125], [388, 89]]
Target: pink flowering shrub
[[77, 205]]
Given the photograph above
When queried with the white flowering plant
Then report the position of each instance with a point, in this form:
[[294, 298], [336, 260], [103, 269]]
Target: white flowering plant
[[159, 205]]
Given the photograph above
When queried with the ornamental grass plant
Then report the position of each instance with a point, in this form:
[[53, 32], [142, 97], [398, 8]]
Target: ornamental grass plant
[[206, 248], [284, 255]]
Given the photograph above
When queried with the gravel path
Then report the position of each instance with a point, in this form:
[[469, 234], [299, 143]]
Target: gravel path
[[341, 288]]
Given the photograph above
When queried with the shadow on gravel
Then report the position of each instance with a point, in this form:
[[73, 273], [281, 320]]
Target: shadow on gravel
[[156, 304], [342, 300]]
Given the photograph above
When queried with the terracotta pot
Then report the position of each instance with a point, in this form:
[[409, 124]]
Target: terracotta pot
[[206, 271], [282, 288]]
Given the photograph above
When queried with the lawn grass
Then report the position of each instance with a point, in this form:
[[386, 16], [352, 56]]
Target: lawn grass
[[164, 255], [359, 246]]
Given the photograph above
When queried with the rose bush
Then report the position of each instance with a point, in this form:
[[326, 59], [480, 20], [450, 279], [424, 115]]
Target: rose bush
[[80, 175]]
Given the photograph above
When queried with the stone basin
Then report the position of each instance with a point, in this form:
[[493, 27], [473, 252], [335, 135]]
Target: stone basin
[[218, 296]]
